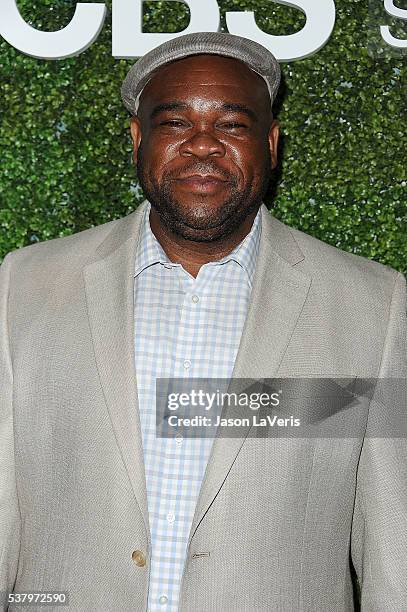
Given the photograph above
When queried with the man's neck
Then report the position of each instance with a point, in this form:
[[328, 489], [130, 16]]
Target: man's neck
[[193, 255]]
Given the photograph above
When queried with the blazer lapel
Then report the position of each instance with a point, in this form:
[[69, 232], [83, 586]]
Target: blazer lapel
[[278, 295], [109, 283]]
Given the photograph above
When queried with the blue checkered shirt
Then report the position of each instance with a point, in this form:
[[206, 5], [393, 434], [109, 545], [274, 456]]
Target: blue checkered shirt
[[184, 327]]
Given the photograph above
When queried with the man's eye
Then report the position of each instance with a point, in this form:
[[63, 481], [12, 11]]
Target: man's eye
[[232, 126], [172, 122]]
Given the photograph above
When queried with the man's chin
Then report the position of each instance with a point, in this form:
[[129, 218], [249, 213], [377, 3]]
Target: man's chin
[[202, 222], [200, 218], [199, 235], [202, 228], [197, 214]]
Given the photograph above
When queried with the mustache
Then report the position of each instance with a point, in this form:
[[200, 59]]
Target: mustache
[[200, 167]]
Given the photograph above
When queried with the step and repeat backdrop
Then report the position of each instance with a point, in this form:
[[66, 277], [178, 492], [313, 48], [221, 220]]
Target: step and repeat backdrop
[[342, 107]]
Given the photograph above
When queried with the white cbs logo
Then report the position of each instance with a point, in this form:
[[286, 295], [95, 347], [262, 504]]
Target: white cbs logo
[[129, 40]]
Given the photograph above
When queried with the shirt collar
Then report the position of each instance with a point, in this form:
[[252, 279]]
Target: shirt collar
[[150, 251]]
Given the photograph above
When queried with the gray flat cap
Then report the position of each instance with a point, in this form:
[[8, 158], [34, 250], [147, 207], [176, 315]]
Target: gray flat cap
[[255, 56]]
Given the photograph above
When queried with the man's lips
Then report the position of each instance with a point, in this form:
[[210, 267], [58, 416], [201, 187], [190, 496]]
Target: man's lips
[[202, 182]]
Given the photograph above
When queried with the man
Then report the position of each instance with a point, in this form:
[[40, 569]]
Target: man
[[199, 282]]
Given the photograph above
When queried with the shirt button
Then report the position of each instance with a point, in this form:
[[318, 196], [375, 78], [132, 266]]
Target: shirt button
[[163, 599], [195, 299], [187, 364], [170, 517], [178, 439], [138, 558]]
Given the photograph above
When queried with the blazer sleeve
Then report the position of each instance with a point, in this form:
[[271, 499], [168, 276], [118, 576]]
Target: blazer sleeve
[[379, 527], [10, 522]]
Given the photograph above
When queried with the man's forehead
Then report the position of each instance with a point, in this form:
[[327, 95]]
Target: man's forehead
[[195, 73]]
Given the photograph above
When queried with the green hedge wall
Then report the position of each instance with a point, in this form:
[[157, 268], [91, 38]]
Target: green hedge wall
[[65, 145]]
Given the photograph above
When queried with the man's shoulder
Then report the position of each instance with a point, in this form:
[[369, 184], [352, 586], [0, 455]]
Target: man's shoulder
[[331, 261], [64, 251]]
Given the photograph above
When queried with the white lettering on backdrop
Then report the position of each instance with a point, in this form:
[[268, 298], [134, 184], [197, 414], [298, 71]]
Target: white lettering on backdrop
[[129, 41], [394, 11]]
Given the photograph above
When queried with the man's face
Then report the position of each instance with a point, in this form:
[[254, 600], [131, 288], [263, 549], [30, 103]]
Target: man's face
[[205, 143]]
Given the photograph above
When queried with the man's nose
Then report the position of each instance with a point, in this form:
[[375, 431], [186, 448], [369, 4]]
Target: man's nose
[[203, 144]]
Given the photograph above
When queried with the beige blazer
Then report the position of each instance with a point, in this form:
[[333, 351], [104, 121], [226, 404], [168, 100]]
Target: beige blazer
[[279, 522]]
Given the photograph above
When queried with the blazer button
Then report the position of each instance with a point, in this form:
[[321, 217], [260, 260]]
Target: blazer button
[[138, 558]]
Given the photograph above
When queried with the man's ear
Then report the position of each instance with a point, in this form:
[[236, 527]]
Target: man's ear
[[274, 134], [135, 129]]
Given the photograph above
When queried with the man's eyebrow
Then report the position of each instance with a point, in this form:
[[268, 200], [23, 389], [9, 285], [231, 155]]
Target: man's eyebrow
[[240, 108], [231, 106], [169, 106]]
